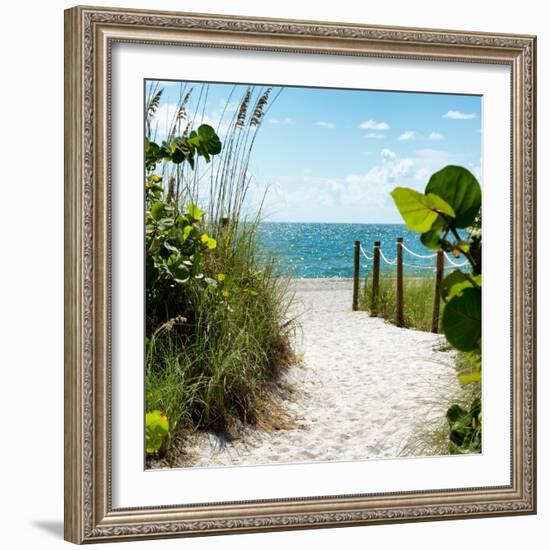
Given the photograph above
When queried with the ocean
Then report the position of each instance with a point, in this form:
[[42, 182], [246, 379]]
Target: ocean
[[325, 250]]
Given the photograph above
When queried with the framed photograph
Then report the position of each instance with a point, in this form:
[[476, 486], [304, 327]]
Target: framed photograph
[[300, 274]]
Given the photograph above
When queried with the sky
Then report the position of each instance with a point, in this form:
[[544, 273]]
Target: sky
[[334, 155]]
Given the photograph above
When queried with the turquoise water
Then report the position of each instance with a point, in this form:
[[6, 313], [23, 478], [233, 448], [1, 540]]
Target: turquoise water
[[318, 250]]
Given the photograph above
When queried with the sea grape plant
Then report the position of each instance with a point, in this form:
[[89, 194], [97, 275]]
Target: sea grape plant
[[175, 247], [464, 428], [202, 142], [156, 431], [450, 204], [175, 241]]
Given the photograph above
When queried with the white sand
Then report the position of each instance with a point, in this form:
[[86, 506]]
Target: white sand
[[364, 390]]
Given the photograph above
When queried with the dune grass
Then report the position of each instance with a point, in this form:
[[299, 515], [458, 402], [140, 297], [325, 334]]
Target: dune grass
[[215, 366], [418, 293], [216, 344], [432, 439]]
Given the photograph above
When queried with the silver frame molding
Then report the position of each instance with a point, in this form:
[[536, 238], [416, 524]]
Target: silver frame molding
[[89, 35]]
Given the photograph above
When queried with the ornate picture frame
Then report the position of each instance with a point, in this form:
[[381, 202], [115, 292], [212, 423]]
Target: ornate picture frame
[[90, 34]]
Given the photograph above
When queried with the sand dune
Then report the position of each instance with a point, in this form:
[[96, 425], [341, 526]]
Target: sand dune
[[364, 388]]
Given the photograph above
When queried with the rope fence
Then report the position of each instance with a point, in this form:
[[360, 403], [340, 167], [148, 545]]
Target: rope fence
[[393, 262], [441, 259]]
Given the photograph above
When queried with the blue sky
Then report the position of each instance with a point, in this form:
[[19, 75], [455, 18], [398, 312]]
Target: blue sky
[[334, 155]]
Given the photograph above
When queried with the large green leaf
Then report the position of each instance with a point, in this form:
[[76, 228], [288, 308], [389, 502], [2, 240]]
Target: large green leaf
[[156, 430], [462, 320], [208, 241], [206, 141], [456, 282], [420, 211], [210, 139], [460, 189], [157, 210], [431, 239], [194, 212], [182, 150]]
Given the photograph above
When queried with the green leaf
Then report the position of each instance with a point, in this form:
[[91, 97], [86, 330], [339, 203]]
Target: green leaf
[[171, 248], [178, 156], [210, 138], [430, 239], [206, 140], [462, 320], [455, 412], [187, 231], [460, 189], [209, 242], [157, 210], [156, 430], [462, 246], [454, 283], [153, 187], [195, 212], [420, 211], [470, 377], [182, 150]]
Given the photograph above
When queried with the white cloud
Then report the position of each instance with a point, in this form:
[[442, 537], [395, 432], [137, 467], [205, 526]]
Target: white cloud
[[372, 188], [325, 124], [458, 115], [407, 136], [373, 125], [375, 135], [358, 196], [435, 136], [286, 121]]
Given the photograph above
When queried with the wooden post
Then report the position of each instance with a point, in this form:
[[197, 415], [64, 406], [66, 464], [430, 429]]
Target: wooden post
[[356, 246], [375, 279], [399, 284], [439, 266]]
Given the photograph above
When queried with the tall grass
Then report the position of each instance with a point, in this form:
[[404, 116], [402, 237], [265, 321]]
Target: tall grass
[[432, 438], [222, 185], [215, 367], [418, 297], [212, 367]]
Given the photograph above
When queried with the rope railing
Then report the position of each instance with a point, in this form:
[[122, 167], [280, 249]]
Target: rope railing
[[364, 252], [453, 262], [441, 259], [389, 262], [393, 261], [425, 256]]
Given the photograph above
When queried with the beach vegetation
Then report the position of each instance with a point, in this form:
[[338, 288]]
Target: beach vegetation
[[217, 329], [418, 299], [452, 201]]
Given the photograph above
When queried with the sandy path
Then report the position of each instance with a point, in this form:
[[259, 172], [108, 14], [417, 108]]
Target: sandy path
[[364, 389]]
